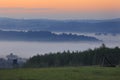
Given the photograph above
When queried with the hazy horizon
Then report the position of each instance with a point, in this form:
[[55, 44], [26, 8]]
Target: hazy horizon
[[29, 18]]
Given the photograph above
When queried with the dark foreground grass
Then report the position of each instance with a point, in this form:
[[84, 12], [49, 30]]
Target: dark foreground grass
[[65, 73]]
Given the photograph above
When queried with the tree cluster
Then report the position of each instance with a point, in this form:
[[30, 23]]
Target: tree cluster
[[86, 58]]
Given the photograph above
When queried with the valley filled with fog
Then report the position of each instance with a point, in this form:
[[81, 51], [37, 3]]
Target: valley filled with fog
[[27, 49]]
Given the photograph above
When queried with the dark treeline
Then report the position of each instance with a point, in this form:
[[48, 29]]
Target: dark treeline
[[43, 36], [99, 56]]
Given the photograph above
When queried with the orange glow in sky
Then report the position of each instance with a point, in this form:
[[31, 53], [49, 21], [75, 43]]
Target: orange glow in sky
[[57, 7]]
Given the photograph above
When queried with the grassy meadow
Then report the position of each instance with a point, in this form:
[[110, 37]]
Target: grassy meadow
[[63, 73]]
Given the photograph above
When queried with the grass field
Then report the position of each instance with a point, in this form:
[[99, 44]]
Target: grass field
[[65, 73]]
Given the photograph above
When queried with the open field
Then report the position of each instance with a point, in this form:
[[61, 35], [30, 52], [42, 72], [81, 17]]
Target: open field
[[64, 73]]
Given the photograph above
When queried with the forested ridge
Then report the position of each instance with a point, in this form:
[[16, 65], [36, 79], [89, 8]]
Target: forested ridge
[[93, 26], [43, 36], [99, 56]]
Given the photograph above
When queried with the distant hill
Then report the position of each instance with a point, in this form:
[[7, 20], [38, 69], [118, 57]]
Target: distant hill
[[102, 26], [42, 36]]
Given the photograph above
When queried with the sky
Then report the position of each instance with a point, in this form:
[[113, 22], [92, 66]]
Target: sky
[[60, 9]]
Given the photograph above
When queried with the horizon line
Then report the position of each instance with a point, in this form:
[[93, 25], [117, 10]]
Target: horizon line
[[60, 19]]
